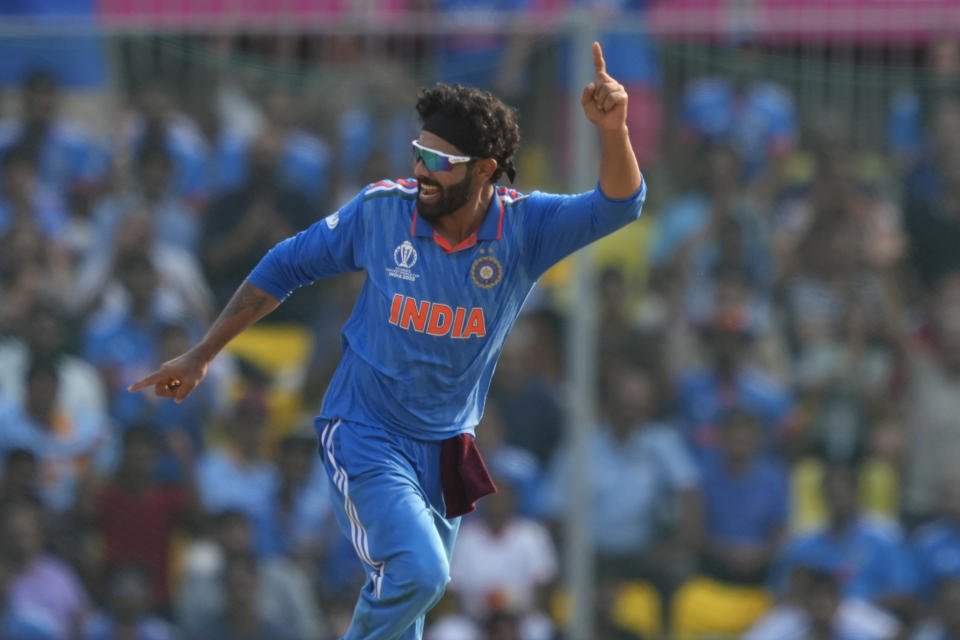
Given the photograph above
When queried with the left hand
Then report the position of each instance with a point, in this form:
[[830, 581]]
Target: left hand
[[604, 100]]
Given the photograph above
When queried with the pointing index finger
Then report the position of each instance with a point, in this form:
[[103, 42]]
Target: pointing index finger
[[153, 378], [599, 65]]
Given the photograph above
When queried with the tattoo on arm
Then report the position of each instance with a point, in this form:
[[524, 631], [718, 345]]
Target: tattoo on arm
[[247, 299], [247, 305]]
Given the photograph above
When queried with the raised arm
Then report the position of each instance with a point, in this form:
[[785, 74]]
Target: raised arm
[[178, 377], [604, 103]]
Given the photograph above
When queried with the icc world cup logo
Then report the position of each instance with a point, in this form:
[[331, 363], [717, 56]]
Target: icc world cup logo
[[486, 272], [405, 255]]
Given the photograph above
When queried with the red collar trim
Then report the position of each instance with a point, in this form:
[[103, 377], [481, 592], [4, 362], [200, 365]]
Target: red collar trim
[[467, 242]]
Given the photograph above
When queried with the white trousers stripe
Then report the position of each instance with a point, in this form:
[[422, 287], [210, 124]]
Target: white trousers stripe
[[358, 535]]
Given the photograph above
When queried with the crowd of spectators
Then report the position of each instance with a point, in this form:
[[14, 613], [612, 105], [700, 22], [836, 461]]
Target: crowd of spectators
[[779, 379]]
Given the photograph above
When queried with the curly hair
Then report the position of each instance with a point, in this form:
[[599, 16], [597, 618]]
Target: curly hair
[[495, 124]]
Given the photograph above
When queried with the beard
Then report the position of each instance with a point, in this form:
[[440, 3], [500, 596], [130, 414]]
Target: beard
[[451, 198]]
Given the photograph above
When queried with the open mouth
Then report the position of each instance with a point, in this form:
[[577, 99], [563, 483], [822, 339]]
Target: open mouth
[[429, 192]]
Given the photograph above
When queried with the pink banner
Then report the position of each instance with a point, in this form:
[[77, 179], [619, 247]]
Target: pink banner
[[809, 20], [238, 12], [764, 20]]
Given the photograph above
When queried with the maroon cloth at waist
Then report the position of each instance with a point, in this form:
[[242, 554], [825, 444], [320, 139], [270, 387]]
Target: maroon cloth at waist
[[463, 475]]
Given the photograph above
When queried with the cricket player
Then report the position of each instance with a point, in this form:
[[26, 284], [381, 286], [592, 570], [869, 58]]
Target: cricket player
[[449, 257]]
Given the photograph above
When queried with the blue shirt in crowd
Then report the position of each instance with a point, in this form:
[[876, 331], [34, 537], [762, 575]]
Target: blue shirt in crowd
[[747, 510], [420, 347], [189, 153], [65, 449], [703, 400], [225, 483], [103, 627], [521, 469], [310, 512], [50, 216], [936, 551], [632, 479], [122, 349], [757, 122], [69, 158], [175, 223], [870, 559], [304, 164]]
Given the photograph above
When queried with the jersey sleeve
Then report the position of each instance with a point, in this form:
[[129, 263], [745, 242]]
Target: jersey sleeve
[[328, 247], [558, 225]]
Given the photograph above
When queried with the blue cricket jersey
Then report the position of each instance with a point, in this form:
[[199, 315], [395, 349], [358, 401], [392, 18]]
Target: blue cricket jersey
[[422, 342]]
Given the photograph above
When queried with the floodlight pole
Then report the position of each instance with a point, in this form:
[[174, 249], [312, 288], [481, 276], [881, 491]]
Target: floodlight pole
[[581, 348]]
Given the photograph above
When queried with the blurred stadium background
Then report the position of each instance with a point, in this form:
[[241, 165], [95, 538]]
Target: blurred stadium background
[[739, 417]]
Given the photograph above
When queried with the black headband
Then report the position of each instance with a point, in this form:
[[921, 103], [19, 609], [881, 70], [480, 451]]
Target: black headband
[[457, 131]]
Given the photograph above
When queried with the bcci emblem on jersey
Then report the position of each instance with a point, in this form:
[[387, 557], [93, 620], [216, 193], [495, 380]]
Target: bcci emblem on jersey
[[405, 256], [486, 272]]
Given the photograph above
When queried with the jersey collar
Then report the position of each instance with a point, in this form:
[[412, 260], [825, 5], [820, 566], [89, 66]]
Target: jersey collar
[[490, 229]]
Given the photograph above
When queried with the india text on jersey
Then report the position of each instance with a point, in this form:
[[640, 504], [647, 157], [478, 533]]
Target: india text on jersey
[[437, 319]]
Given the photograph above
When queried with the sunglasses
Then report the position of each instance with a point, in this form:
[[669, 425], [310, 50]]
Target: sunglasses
[[435, 160]]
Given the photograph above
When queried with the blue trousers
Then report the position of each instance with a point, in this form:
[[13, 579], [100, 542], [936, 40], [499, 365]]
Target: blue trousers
[[388, 500]]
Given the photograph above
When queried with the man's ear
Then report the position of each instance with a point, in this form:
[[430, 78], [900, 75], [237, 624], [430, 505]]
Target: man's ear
[[485, 167]]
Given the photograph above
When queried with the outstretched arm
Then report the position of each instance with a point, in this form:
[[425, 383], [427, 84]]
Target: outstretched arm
[[604, 103], [178, 377]]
